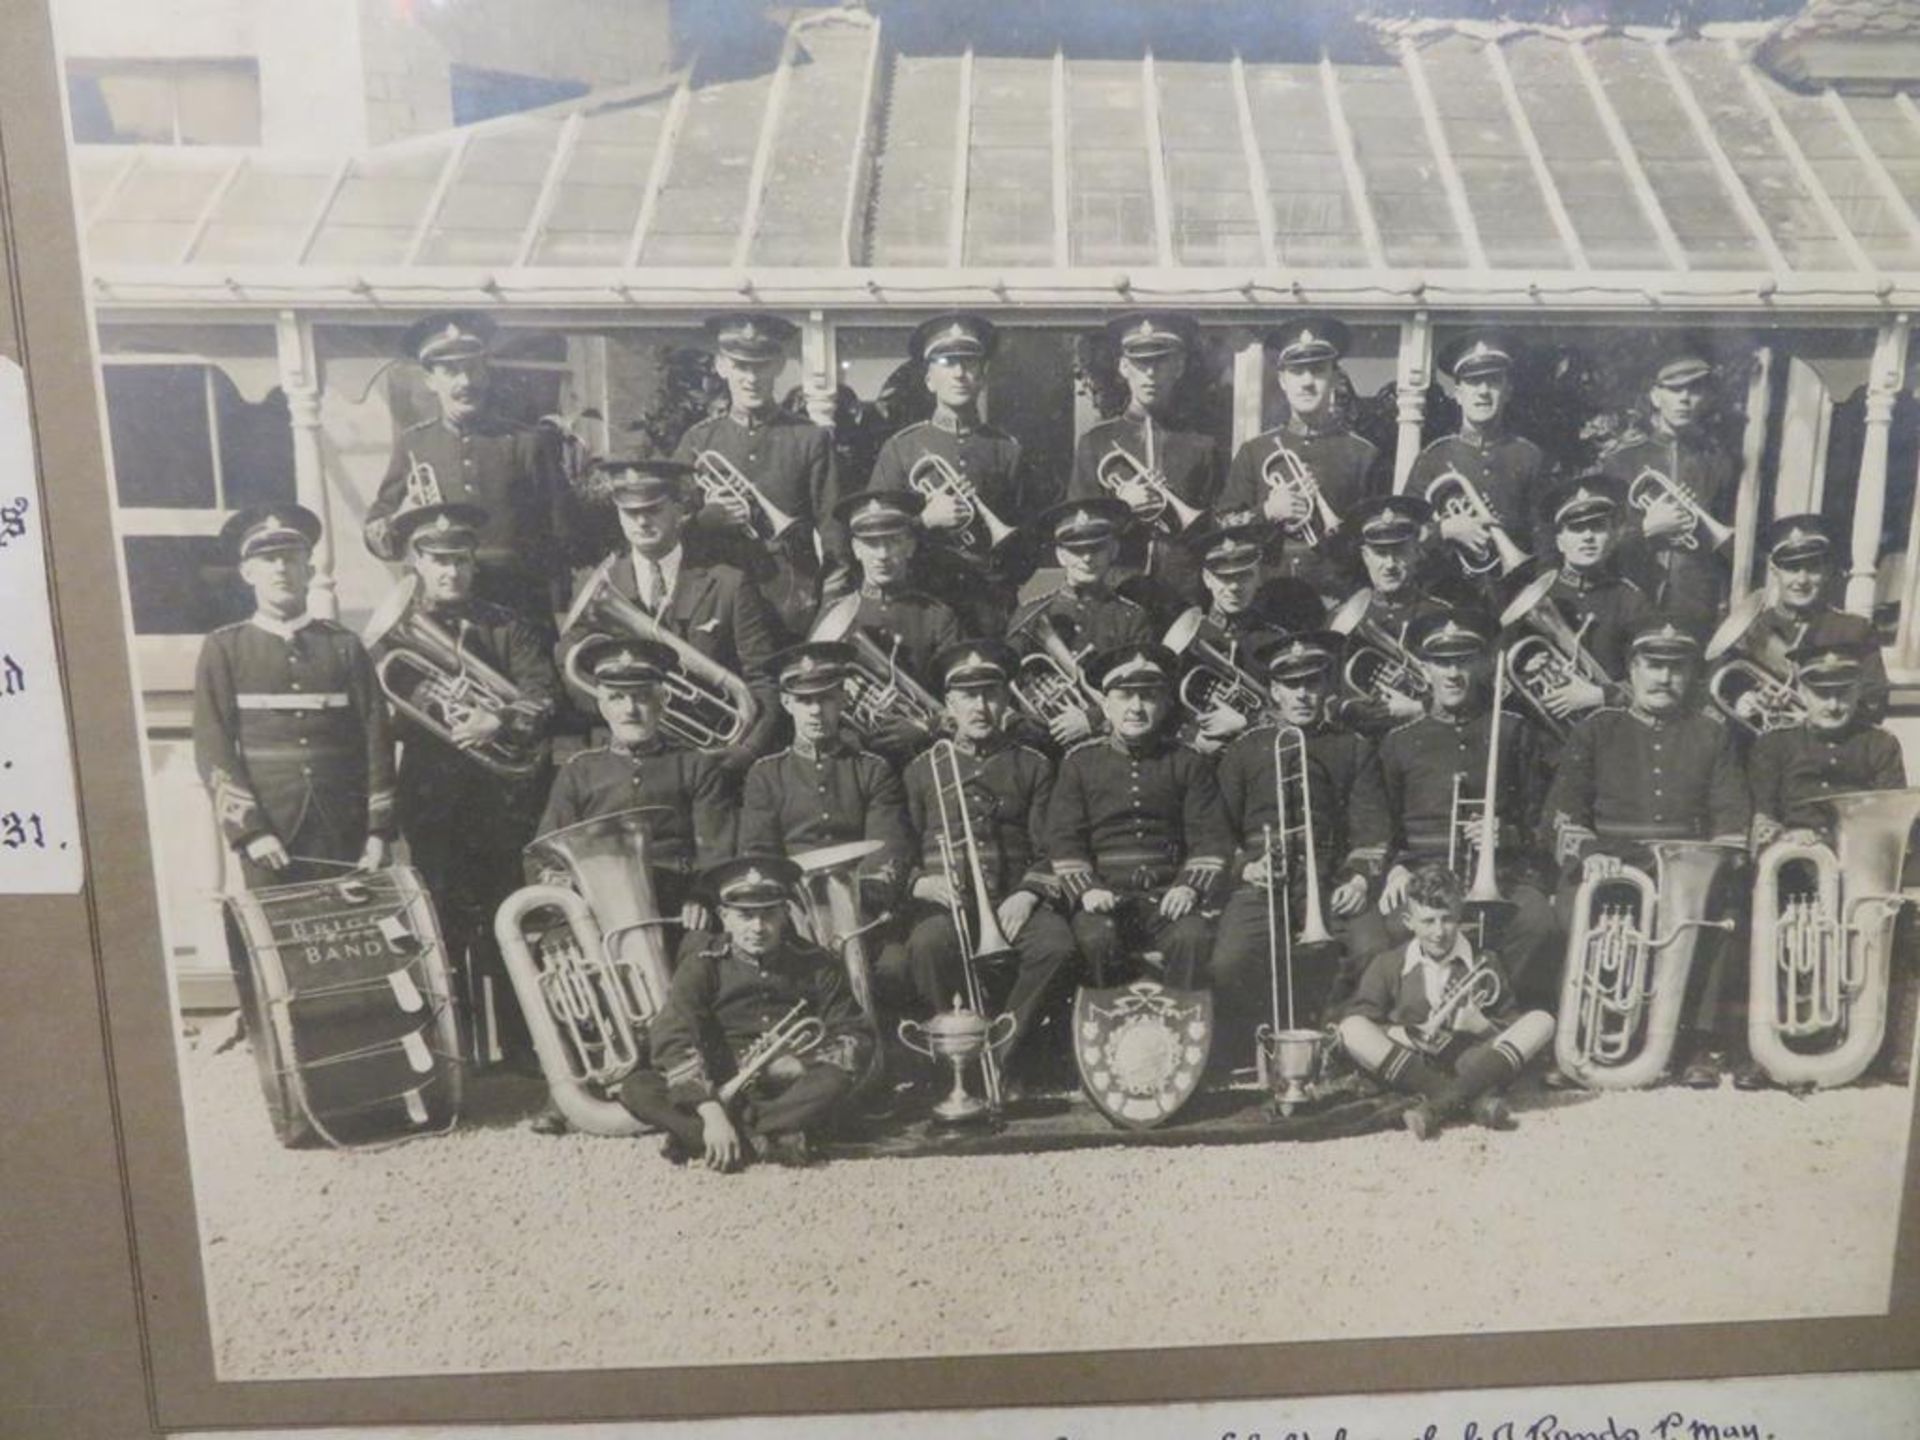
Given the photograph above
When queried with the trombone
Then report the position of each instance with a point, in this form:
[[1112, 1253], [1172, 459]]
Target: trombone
[[1285, 469], [1120, 468], [1290, 767], [1452, 494], [1474, 823], [933, 475], [983, 939], [1651, 485], [725, 484]]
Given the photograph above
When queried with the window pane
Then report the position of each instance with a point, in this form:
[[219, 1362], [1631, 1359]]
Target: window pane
[[697, 220], [265, 212], [373, 215], [487, 206], [804, 207], [598, 200], [256, 446], [182, 585], [157, 425], [1110, 189], [1010, 162], [481, 94], [1313, 223], [913, 172]]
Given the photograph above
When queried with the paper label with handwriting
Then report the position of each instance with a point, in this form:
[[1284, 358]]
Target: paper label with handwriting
[[39, 822]]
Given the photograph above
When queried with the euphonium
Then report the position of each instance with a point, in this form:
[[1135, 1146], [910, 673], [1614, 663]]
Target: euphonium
[[1626, 979], [1651, 484], [1452, 493], [588, 992], [1211, 680], [794, 1033], [1049, 682], [1287, 470], [1379, 663], [1819, 973], [1550, 657], [708, 706], [1120, 468], [721, 481], [1740, 679], [431, 678], [879, 692], [932, 475]]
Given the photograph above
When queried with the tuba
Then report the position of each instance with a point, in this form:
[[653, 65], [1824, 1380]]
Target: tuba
[[1626, 977], [708, 706], [830, 904], [1543, 661], [1049, 683], [1740, 678], [1452, 493], [431, 679], [1377, 662], [588, 991], [1651, 485], [1286, 469], [725, 484], [932, 475], [1119, 468], [1211, 679], [879, 692], [1819, 971]]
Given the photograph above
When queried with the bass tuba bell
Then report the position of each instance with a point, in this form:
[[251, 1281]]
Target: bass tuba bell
[[1626, 976], [434, 681], [1819, 972], [589, 986]]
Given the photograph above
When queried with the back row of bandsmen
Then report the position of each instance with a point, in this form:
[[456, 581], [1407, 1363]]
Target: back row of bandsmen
[[1132, 823]]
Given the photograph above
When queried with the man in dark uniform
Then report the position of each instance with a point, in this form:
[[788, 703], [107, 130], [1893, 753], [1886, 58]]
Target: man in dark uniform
[[1657, 769], [1300, 676], [466, 824], [973, 556], [1136, 831], [1005, 787], [822, 789], [1086, 612], [1668, 541], [469, 455], [1796, 603], [1407, 793], [727, 994], [1346, 468], [289, 726], [1235, 624], [1145, 458], [787, 458], [692, 824], [709, 605], [1504, 469]]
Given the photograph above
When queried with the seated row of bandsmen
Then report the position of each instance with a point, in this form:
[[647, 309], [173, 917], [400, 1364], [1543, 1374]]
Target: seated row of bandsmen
[[1130, 841]]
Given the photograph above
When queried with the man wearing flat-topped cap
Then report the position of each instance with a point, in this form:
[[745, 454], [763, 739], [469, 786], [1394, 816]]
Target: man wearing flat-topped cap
[[467, 453], [787, 459]]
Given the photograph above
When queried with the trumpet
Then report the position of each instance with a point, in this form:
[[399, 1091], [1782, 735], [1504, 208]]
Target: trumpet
[[1452, 494], [1819, 971], [932, 475], [1625, 980], [793, 1034], [1552, 657], [1211, 680], [708, 706], [1479, 987], [879, 692], [725, 484], [1050, 682], [588, 991], [1287, 470], [1651, 485], [1119, 469], [1378, 663], [431, 678], [1742, 685]]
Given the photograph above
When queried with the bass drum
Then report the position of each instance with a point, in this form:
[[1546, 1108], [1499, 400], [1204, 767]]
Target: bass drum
[[348, 1004]]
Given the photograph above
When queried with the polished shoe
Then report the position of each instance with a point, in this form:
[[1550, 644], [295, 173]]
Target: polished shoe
[[792, 1151], [1422, 1121], [1492, 1112], [549, 1121], [673, 1151], [1748, 1075], [1702, 1074]]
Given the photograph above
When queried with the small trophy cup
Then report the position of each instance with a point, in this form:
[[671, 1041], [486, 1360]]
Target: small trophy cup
[[1289, 1062], [959, 1037]]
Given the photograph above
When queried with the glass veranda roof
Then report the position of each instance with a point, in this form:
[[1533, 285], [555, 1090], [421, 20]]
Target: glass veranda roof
[[1457, 163]]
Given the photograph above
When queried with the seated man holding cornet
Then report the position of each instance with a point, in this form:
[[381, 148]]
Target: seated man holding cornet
[[759, 1038], [1437, 1019]]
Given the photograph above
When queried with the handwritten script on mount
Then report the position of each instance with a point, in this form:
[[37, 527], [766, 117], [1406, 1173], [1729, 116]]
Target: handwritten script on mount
[[39, 825]]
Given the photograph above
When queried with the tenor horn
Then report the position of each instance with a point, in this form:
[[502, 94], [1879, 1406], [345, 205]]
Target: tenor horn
[[1748, 691], [1378, 663], [1651, 485], [1626, 975], [433, 680], [1452, 494], [724, 483], [879, 692], [1819, 972], [1286, 470], [1120, 468], [1050, 682], [933, 475], [588, 990], [1211, 680], [1551, 656], [708, 706]]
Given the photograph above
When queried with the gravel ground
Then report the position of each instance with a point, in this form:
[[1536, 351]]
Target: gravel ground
[[498, 1249]]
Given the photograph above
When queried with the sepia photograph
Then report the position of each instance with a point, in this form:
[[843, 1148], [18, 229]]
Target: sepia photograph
[[851, 682]]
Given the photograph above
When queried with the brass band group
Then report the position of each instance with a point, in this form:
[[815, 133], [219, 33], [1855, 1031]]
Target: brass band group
[[813, 803]]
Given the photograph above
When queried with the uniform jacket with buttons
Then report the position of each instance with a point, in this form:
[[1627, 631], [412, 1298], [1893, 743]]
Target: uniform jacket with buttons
[[1698, 464], [291, 738], [1007, 788], [908, 625], [1775, 632], [1089, 621], [989, 460], [1192, 464], [1336, 761], [1506, 469], [1136, 817], [1348, 469], [693, 829], [1791, 769], [1627, 777], [1609, 605], [804, 797], [790, 461], [720, 1002]]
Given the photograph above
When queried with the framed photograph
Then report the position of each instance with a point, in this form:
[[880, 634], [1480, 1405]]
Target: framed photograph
[[885, 705]]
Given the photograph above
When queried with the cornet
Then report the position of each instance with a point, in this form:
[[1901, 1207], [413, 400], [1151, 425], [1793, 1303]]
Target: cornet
[[932, 475], [793, 1034], [1746, 689], [1479, 987], [1118, 469], [708, 706], [1378, 663], [1211, 681], [1287, 470], [423, 486], [1651, 485], [1452, 494], [725, 484]]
